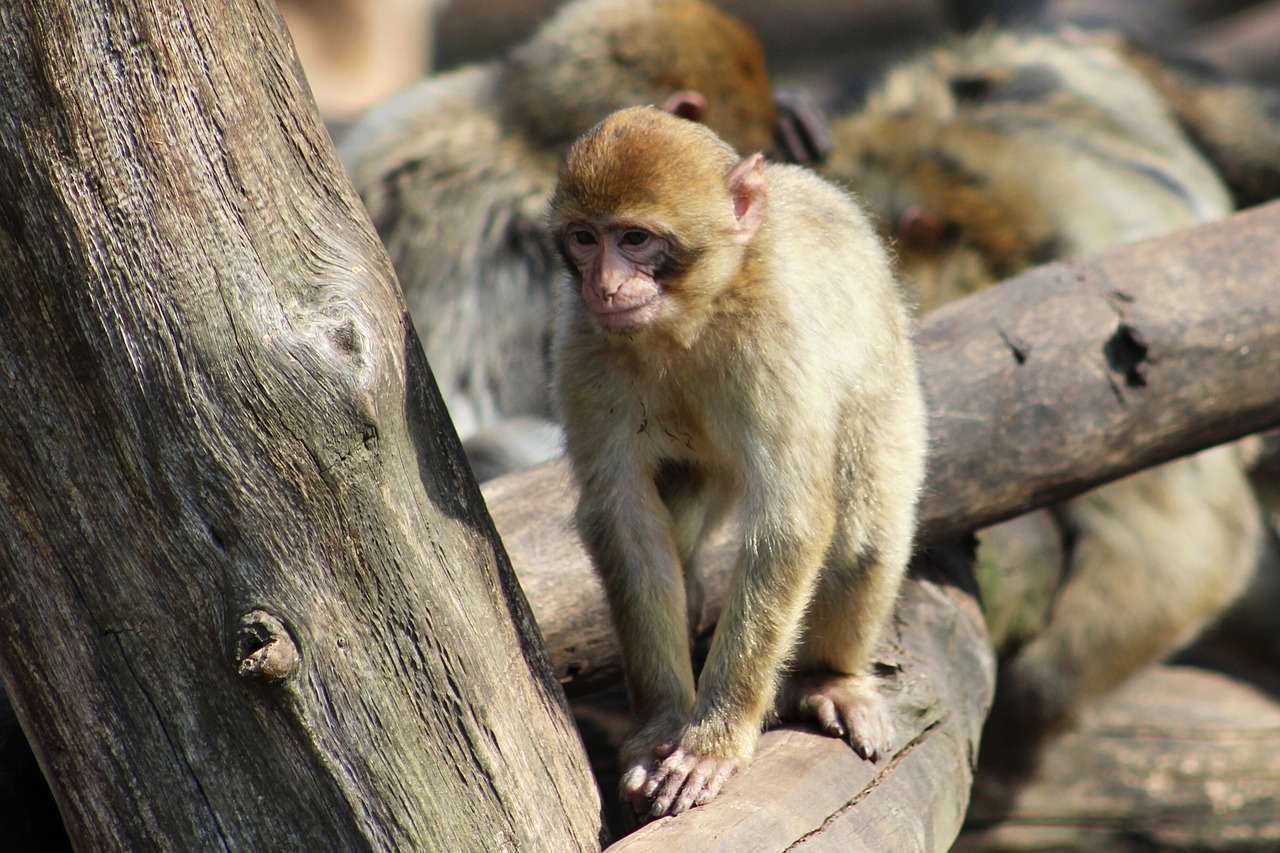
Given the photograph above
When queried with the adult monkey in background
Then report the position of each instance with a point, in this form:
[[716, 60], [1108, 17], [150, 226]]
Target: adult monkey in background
[[456, 171], [731, 336], [981, 159]]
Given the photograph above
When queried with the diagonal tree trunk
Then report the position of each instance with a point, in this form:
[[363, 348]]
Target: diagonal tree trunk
[[250, 597]]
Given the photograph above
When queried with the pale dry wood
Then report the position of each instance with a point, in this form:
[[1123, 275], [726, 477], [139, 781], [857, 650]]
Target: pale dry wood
[[251, 596], [1178, 759]]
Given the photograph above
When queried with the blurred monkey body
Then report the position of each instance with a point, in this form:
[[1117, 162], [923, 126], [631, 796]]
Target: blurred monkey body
[[456, 171], [994, 154], [731, 338]]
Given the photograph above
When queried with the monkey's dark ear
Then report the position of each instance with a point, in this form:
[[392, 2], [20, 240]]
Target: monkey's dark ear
[[686, 104], [746, 186]]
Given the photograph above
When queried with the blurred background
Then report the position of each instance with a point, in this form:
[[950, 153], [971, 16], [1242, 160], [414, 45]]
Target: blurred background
[[357, 52]]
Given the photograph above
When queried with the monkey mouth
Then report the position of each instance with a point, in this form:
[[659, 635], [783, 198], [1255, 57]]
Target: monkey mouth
[[628, 318]]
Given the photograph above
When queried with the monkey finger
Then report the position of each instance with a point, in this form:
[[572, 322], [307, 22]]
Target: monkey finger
[[669, 780], [635, 802], [633, 780], [716, 782], [695, 789]]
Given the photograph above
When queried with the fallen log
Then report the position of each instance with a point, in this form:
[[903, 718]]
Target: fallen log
[[1178, 759]]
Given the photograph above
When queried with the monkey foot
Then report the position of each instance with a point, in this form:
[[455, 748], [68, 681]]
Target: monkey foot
[[849, 707]]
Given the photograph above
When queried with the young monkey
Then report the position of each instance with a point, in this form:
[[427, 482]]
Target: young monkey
[[731, 337]]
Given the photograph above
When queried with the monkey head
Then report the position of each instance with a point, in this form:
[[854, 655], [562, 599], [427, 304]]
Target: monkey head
[[647, 204]]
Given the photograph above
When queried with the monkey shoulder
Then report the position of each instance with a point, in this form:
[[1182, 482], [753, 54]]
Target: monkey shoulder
[[817, 230], [802, 202]]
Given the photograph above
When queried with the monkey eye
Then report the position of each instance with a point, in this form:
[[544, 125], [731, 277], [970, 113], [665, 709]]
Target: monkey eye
[[584, 238], [635, 237]]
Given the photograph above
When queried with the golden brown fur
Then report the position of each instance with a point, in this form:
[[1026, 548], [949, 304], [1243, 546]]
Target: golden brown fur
[[775, 377], [978, 160]]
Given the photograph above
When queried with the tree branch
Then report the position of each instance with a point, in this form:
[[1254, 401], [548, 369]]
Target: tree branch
[[251, 596]]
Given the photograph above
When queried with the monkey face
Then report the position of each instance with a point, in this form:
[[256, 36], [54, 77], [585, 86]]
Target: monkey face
[[617, 267]]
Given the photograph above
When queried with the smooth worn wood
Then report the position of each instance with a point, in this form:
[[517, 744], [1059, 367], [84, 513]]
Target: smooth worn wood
[[251, 598], [1178, 759], [1075, 374]]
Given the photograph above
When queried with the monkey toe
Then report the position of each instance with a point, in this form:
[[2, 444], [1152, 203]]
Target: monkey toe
[[869, 728], [849, 707]]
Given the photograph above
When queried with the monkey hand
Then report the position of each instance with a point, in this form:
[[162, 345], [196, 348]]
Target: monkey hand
[[674, 775], [849, 707]]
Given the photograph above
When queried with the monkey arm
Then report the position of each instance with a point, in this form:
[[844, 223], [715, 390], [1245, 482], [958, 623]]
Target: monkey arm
[[628, 532], [789, 516]]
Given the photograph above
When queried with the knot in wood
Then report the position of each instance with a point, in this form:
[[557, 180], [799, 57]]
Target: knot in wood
[[265, 648], [1126, 352]]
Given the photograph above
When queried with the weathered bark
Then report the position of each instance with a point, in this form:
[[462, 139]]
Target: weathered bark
[[1178, 759], [251, 597], [1073, 375]]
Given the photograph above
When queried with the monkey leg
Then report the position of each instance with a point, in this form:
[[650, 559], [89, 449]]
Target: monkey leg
[[832, 683], [1154, 558], [637, 561]]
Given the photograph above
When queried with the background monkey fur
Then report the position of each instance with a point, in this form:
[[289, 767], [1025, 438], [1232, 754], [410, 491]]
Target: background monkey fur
[[456, 172], [1007, 150], [731, 335]]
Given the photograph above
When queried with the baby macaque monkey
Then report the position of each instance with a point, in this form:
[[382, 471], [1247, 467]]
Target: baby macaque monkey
[[731, 338]]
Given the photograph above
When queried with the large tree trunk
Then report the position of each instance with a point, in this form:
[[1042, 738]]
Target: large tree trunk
[[250, 597]]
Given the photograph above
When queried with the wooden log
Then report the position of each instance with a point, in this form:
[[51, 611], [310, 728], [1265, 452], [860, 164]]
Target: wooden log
[[1178, 759], [1064, 378]]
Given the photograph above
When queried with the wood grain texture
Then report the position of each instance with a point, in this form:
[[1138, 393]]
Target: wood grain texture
[[251, 596], [1178, 759]]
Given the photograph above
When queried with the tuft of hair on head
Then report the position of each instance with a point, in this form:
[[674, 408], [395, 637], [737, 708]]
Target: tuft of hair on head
[[649, 163]]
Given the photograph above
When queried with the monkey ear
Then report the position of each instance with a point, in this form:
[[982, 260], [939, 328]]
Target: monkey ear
[[746, 186], [686, 104]]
